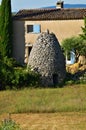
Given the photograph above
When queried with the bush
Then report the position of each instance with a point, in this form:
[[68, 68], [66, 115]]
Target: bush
[[8, 124], [16, 77], [76, 78], [23, 78]]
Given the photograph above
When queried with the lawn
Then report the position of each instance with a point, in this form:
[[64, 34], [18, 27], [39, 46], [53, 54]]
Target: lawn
[[46, 109], [67, 99]]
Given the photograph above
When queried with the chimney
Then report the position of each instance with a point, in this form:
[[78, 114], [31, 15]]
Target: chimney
[[60, 4]]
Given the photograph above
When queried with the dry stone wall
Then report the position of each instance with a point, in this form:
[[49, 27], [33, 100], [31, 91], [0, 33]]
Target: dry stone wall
[[47, 59]]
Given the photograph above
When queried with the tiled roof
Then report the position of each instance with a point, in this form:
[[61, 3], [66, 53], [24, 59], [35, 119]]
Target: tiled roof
[[51, 14]]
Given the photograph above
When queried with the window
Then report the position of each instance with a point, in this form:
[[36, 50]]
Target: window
[[29, 28], [33, 28]]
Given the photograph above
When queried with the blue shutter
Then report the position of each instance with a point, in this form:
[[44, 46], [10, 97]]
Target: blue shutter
[[36, 28]]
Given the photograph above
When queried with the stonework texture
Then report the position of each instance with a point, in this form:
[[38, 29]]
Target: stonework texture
[[47, 59]]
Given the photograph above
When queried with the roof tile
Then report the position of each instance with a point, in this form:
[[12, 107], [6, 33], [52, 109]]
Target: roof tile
[[51, 14]]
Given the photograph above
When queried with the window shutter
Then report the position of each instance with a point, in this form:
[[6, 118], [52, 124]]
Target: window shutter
[[36, 28]]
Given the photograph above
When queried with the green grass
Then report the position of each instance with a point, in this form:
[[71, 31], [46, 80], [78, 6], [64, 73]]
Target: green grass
[[9, 125], [67, 99]]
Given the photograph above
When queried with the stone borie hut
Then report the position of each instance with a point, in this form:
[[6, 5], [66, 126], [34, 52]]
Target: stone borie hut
[[47, 59]]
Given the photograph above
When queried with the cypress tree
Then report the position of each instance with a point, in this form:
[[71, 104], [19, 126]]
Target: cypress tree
[[6, 28]]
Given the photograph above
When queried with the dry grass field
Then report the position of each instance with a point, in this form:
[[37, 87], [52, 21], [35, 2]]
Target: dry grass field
[[50, 121]]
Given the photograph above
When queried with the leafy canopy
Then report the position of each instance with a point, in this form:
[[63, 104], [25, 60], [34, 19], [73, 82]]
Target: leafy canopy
[[78, 44]]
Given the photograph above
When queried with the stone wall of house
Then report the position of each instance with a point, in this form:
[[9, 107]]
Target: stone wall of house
[[47, 59], [61, 28]]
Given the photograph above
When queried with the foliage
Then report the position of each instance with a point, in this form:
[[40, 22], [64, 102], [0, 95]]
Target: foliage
[[16, 77], [22, 78], [6, 28], [78, 77], [82, 48], [84, 30], [75, 43], [6, 72], [9, 124], [68, 44]]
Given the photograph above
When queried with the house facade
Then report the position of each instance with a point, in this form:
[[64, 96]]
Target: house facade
[[28, 24]]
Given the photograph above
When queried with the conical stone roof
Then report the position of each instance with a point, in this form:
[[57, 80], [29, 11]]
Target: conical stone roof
[[47, 59]]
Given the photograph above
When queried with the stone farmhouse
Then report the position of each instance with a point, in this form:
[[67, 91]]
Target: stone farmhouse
[[28, 24]]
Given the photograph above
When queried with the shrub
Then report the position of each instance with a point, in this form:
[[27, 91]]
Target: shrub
[[8, 124], [23, 78], [16, 77], [76, 78]]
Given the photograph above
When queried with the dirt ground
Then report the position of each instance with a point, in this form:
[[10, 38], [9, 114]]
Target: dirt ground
[[50, 121]]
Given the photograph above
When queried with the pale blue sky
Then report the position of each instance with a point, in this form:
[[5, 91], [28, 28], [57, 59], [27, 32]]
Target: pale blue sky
[[26, 4]]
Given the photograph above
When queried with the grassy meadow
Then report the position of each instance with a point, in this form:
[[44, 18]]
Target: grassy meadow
[[40, 100]]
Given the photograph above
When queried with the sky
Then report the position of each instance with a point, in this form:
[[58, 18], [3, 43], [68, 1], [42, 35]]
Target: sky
[[27, 4]]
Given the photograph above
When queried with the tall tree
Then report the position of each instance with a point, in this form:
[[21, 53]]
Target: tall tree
[[6, 28]]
